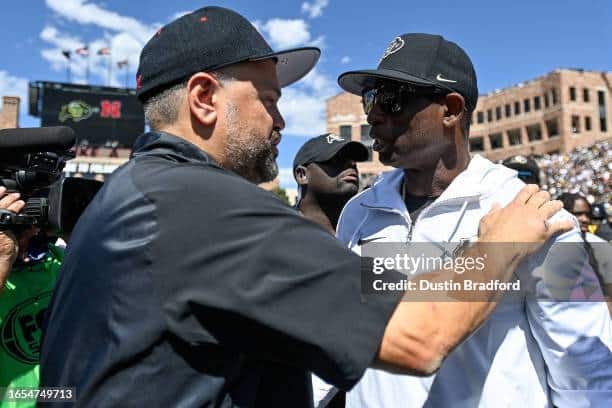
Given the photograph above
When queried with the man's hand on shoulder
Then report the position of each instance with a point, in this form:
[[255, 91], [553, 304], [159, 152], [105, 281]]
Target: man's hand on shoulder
[[526, 220]]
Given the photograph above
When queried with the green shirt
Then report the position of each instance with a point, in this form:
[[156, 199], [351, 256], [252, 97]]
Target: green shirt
[[23, 304]]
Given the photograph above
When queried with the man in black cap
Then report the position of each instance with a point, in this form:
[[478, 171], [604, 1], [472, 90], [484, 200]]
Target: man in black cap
[[529, 353], [527, 168], [185, 284], [326, 173]]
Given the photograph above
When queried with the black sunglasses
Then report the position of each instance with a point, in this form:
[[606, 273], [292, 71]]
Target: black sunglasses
[[393, 98]]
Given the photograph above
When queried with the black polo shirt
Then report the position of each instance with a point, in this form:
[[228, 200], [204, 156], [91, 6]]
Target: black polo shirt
[[185, 285]]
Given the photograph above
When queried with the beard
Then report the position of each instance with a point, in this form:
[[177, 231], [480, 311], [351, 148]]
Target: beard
[[246, 152]]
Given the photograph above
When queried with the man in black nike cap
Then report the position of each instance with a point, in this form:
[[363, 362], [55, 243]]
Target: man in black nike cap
[[418, 102], [185, 284]]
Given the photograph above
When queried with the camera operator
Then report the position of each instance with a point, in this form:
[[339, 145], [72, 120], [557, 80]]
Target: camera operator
[[29, 264], [8, 242]]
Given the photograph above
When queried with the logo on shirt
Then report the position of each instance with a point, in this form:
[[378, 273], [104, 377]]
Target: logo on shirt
[[21, 329], [331, 138]]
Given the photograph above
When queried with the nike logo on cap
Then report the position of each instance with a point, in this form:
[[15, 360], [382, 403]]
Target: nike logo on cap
[[439, 78]]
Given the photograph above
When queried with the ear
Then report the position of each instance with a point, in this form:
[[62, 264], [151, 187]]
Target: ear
[[203, 90], [455, 109], [301, 175]]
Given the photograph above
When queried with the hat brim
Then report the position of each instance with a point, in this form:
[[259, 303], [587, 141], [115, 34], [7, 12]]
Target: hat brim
[[356, 150], [292, 65], [356, 81]]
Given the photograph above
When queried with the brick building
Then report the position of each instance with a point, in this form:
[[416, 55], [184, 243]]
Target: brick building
[[555, 113], [9, 115]]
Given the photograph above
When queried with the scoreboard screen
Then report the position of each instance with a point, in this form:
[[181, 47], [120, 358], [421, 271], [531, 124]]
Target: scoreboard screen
[[102, 116]]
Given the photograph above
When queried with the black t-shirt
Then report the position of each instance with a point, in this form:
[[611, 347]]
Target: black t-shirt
[[416, 204], [186, 285]]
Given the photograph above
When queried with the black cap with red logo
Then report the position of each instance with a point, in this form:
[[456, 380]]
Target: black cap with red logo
[[208, 39]]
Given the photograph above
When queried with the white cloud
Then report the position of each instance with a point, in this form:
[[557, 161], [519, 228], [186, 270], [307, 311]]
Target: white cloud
[[314, 9], [345, 60], [286, 33], [124, 35], [303, 105], [15, 86], [84, 12]]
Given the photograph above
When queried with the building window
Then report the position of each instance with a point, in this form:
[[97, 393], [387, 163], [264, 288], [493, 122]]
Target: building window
[[346, 132], [476, 144], [480, 116], [553, 94], [603, 120], [585, 95], [552, 127], [498, 113], [575, 124], [489, 115], [514, 137], [365, 138], [587, 123], [517, 108], [572, 93], [526, 105], [546, 100], [508, 110], [534, 132], [536, 103], [496, 140]]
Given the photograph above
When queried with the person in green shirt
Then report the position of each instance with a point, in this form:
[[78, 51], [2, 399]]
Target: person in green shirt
[[29, 265]]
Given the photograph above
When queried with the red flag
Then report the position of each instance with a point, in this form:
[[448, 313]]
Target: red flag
[[123, 63], [104, 51], [84, 51], [66, 53]]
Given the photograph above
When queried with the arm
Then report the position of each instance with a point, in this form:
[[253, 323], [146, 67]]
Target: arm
[[420, 334], [8, 242]]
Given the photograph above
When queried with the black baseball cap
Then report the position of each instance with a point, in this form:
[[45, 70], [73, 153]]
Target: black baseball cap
[[208, 39], [422, 60], [527, 168], [322, 148]]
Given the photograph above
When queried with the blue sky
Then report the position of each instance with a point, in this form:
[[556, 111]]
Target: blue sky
[[509, 42]]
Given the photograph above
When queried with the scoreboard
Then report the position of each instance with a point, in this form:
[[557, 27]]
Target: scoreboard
[[101, 116]]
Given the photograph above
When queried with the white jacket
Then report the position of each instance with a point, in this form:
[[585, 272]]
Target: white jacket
[[527, 354]]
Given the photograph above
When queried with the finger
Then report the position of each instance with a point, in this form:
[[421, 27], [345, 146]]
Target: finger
[[2, 191], [526, 192], [539, 199], [16, 206], [8, 200], [550, 208], [560, 226]]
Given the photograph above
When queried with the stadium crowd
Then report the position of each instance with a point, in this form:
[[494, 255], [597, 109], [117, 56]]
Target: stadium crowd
[[585, 170]]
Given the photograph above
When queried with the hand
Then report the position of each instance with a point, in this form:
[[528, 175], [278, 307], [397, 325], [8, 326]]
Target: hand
[[524, 221], [8, 242]]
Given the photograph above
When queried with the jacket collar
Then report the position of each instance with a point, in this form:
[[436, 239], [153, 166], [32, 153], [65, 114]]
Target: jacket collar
[[471, 184], [170, 147]]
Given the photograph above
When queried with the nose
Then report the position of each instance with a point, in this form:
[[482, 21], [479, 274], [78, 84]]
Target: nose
[[278, 121], [583, 218], [376, 116]]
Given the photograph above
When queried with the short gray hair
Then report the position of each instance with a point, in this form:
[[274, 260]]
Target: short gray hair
[[162, 108]]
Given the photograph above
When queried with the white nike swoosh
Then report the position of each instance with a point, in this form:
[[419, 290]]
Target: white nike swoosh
[[439, 78]]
